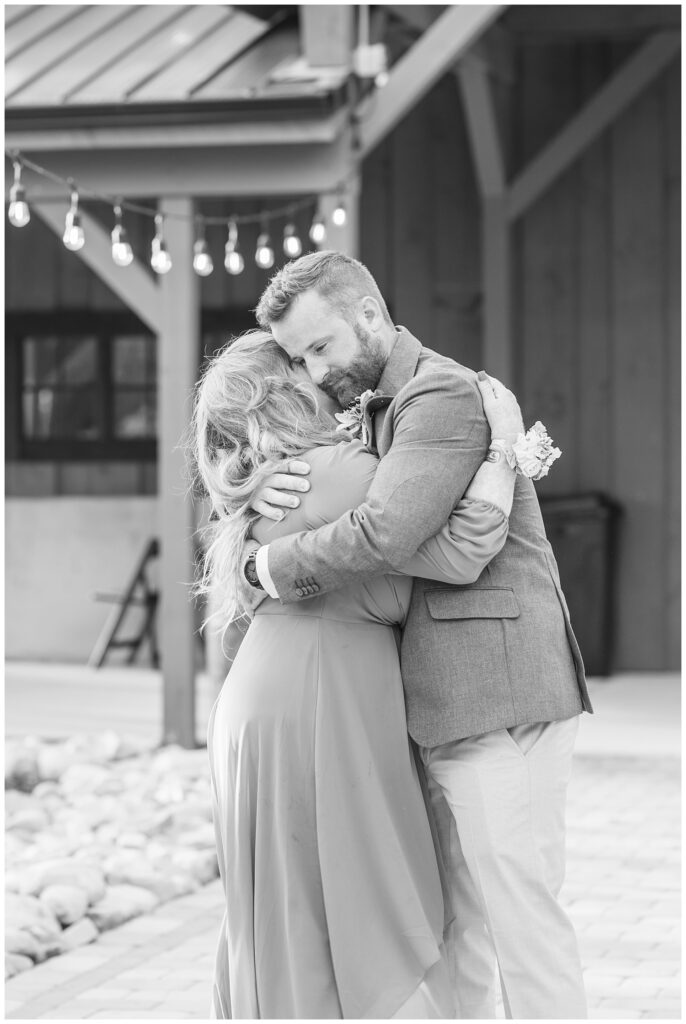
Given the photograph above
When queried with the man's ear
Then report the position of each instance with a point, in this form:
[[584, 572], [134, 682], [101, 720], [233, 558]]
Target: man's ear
[[370, 313]]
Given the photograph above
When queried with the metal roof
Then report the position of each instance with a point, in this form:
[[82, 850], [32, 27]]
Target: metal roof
[[132, 62]]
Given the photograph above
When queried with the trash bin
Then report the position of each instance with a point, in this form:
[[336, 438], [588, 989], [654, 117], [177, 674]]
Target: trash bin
[[582, 531]]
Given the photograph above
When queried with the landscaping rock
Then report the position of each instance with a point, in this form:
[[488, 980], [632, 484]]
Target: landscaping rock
[[119, 904], [79, 934], [22, 943], [202, 864], [67, 902], [64, 871], [15, 963]]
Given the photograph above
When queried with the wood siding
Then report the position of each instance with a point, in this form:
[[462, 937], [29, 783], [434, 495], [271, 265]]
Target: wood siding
[[596, 278], [596, 283]]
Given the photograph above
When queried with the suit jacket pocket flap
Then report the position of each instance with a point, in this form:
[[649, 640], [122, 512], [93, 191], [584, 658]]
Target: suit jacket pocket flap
[[478, 603]]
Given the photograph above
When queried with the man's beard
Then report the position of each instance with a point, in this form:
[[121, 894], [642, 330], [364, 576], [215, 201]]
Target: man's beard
[[362, 374]]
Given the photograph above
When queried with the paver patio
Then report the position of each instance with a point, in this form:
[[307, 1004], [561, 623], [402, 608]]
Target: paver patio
[[622, 890]]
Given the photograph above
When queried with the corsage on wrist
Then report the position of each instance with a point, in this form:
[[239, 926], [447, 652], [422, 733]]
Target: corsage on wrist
[[531, 455]]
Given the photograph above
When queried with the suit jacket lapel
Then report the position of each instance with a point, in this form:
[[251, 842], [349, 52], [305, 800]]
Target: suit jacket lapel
[[400, 368]]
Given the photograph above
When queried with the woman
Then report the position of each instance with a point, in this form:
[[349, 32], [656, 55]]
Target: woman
[[334, 903]]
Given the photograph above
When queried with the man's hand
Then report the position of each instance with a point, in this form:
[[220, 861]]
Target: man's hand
[[501, 407], [276, 496]]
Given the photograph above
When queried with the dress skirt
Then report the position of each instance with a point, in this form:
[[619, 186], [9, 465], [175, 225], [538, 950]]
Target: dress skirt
[[334, 906]]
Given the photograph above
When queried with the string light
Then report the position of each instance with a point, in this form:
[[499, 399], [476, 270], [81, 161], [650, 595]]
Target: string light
[[292, 246], [202, 261], [18, 213], [264, 253], [73, 236], [340, 214], [122, 253], [233, 257], [318, 229], [160, 260]]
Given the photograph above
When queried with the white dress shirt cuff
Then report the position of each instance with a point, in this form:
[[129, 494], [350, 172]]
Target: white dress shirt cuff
[[262, 570]]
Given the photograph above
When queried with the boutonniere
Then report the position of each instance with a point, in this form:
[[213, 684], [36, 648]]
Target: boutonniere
[[351, 420]]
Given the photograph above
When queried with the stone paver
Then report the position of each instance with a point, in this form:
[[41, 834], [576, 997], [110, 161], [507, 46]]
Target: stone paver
[[627, 921], [622, 892]]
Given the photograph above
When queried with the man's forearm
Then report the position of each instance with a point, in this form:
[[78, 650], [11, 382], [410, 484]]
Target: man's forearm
[[440, 439]]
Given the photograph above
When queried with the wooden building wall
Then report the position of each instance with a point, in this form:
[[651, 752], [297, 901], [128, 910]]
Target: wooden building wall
[[596, 268], [596, 289]]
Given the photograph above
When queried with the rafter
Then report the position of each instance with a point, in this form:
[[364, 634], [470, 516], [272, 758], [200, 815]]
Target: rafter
[[424, 63]]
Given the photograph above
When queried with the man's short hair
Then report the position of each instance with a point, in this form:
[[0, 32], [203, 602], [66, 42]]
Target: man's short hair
[[338, 278]]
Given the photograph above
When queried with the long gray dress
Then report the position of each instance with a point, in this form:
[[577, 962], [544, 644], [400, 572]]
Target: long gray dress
[[333, 898]]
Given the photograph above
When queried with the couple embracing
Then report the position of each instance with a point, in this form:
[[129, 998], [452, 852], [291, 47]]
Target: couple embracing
[[398, 579]]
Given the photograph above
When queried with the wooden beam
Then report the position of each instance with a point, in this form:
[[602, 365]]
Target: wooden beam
[[482, 127], [179, 348], [424, 63], [495, 262], [326, 34], [612, 98], [132, 284], [267, 133], [240, 171]]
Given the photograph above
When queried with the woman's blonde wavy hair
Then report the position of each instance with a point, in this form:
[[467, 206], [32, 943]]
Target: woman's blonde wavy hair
[[250, 411]]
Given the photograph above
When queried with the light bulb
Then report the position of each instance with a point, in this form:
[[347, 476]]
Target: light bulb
[[264, 254], [160, 260], [122, 253], [318, 230], [73, 237], [339, 215], [202, 261], [18, 213], [292, 246], [233, 260]]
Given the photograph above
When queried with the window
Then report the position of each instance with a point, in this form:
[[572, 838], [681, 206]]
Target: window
[[82, 390]]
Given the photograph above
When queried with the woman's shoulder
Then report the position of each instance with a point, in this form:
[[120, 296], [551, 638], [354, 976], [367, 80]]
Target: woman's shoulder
[[339, 477], [344, 453]]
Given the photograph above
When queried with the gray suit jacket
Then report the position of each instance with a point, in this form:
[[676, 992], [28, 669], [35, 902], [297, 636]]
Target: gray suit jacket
[[490, 655]]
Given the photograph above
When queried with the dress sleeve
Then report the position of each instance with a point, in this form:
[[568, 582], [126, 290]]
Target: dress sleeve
[[474, 534]]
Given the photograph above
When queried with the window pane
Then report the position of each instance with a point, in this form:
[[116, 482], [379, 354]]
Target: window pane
[[60, 414], [40, 360], [78, 360], [133, 359], [134, 413]]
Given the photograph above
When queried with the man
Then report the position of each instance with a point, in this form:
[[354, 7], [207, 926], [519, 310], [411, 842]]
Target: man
[[493, 676]]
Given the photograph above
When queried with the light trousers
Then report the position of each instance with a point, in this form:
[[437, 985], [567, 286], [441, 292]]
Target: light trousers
[[503, 843]]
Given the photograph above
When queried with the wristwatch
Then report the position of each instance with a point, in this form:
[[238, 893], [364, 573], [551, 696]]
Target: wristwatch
[[250, 571], [499, 449]]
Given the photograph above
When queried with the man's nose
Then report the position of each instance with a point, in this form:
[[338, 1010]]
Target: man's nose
[[317, 372]]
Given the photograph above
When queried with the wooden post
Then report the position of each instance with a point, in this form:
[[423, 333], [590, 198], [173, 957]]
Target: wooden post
[[179, 345], [346, 238], [497, 328], [495, 238]]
